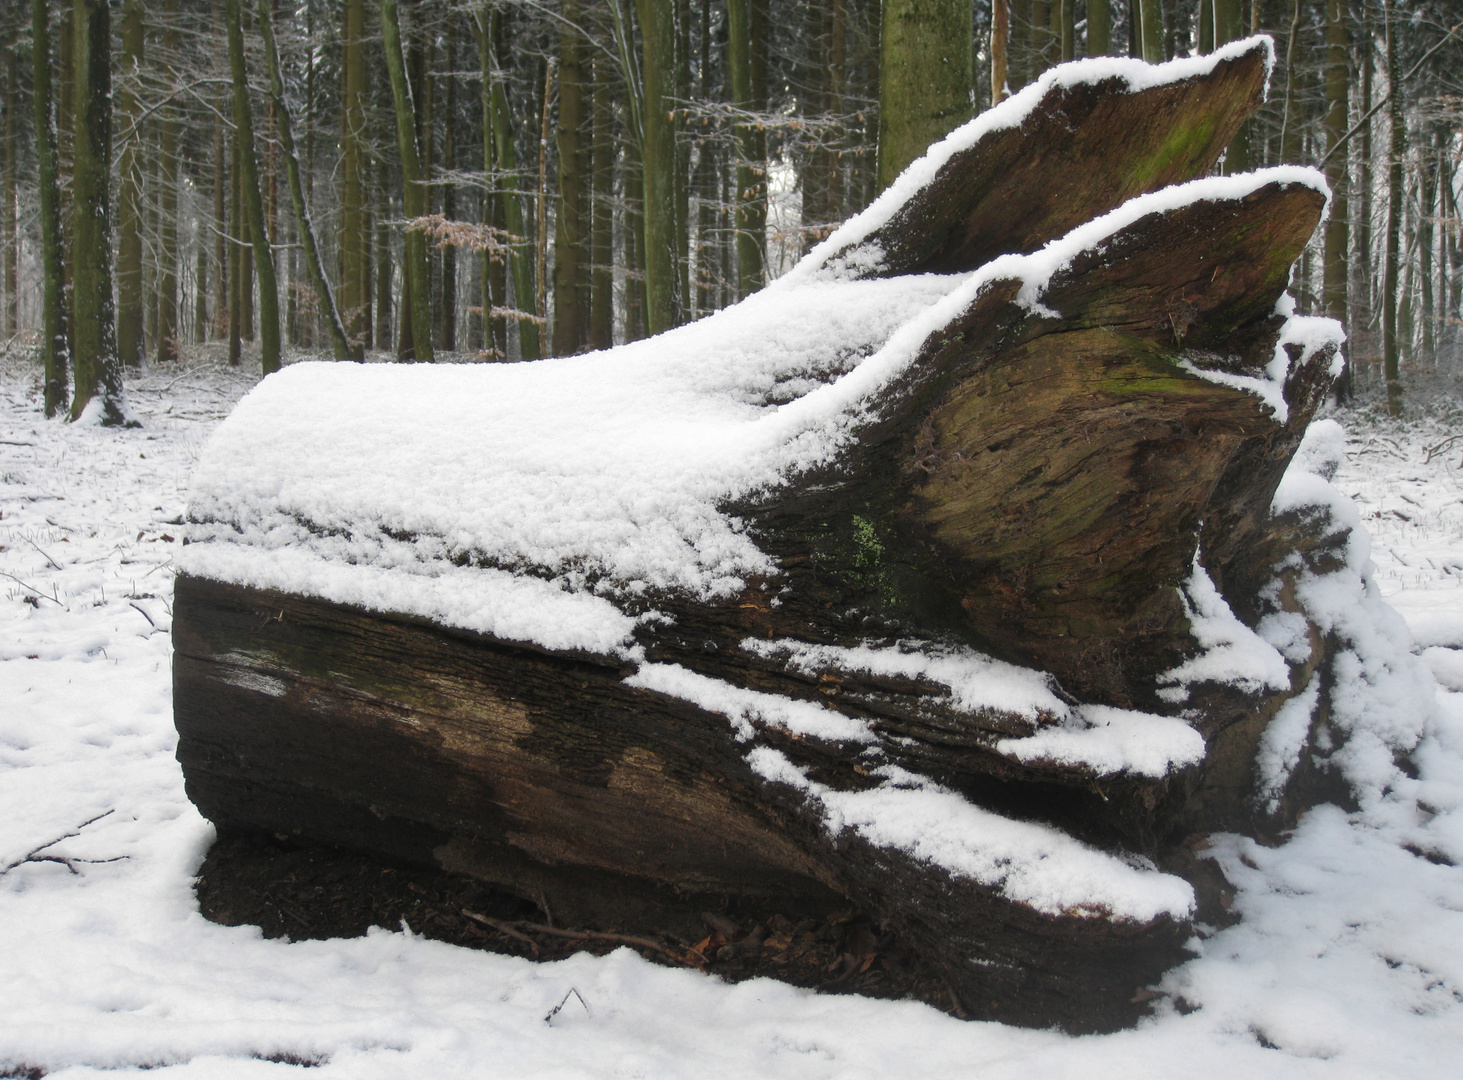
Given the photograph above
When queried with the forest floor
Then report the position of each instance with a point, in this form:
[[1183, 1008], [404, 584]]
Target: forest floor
[[1347, 960]]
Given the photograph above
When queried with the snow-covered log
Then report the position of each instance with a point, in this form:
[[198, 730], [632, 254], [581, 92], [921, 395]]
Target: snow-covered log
[[943, 576]]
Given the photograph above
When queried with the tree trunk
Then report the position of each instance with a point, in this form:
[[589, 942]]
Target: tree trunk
[[418, 272], [1000, 38], [1428, 183], [55, 359], [318, 281], [925, 79], [744, 46], [601, 212], [354, 88], [1037, 482], [129, 191], [569, 231], [269, 341], [383, 251], [169, 333], [9, 182], [1148, 18], [503, 170], [658, 163], [447, 334], [1099, 27], [1338, 225], [95, 364], [1392, 271]]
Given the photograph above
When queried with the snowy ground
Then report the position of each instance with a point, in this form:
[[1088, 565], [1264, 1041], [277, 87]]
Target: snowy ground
[[1348, 961]]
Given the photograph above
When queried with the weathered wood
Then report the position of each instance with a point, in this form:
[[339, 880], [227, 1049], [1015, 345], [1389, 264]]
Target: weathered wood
[[1038, 484], [1084, 149], [611, 806]]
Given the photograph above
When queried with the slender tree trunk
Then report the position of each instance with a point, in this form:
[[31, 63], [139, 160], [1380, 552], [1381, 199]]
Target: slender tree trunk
[[222, 249], [96, 365], [1290, 123], [1099, 27], [815, 175], [253, 196], [541, 201], [129, 191], [1364, 212], [66, 162], [168, 334], [744, 42], [569, 315], [11, 193], [355, 82], [1428, 182], [924, 78], [503, 170], [1337, 240], [634, 231], [1391, 275], [494, 259], [285, 128], [658, 162], [420, 49], [1000, 41], [1206, 26], [1148, 15], [384, 273], [55, 358], [601, 246], [448, 328], [237, 281], [1040, 35], [413, 192]]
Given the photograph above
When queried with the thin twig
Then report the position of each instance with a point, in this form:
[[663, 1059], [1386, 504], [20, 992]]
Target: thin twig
[[34, 854], [1440, 448], [618, 939], [504, 929], [33, 589], [48, 558], [573, 992], [144, 614]]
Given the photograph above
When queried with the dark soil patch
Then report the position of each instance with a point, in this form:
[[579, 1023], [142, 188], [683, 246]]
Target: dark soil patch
[[299, 889]]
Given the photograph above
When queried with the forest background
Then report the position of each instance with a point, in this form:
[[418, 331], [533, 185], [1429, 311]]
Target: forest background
[[492, 180]]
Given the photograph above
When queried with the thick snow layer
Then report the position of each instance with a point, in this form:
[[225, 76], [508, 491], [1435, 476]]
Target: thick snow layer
[[605, 467], [607, 473], [1348, 961], [865, 256], [1023, 861]]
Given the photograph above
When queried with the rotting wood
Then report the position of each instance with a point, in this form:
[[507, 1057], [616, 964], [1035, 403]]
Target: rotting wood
[[1038, 486]]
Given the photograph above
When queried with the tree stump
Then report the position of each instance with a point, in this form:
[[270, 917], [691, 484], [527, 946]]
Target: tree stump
[[941, 577]]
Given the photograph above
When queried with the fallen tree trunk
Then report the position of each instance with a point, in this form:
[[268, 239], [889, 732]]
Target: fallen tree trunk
[[936, 594]]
